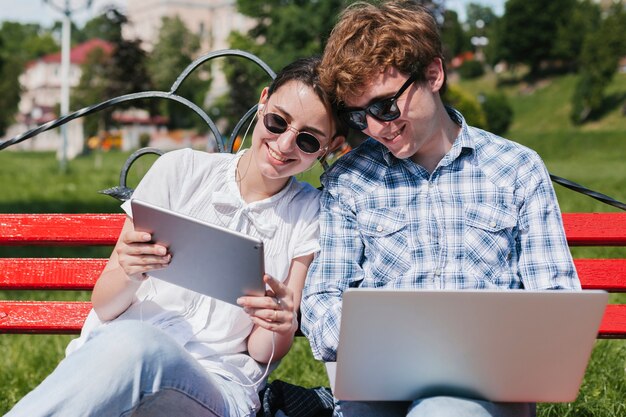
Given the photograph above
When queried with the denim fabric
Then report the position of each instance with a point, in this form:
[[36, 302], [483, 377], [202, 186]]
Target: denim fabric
[[130, 368]]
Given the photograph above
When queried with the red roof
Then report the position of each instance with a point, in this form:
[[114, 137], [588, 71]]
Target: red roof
[[78, 54]]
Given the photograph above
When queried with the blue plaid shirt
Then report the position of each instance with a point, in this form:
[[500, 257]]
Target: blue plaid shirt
[[486, 218]]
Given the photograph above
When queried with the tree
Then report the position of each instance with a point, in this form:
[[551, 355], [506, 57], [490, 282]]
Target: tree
[[107, 26], [529, 28], [92, 89], [19, 43], [498, 112], [452, 35], [467, 104], [598, 63], [477, 12], [585, 19], [106, 76], [28, 41], [9, 89], [172, 53]]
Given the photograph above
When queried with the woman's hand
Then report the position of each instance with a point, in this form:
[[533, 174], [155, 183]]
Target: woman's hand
[[137, 255], [276, 311]]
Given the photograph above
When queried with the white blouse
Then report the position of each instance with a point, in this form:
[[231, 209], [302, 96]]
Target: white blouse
[[203, 185]]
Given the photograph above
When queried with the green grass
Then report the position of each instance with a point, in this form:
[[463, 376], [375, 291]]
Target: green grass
[[592, 155]]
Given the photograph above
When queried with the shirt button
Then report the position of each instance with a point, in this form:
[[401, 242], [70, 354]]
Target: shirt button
[[493, 224], [379, 228], [437, 272]]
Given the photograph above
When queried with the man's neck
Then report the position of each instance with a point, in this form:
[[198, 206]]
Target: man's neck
[[439, 144]]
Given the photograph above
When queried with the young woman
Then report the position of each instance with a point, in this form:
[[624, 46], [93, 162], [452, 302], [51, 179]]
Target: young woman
[[152, 348]]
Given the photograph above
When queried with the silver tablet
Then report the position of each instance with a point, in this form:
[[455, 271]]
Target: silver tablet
[[206, 258]]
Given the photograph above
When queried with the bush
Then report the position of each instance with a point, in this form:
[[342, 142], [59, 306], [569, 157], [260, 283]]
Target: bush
[[498, 112], [144, 140], [471, 69], [466, 104]]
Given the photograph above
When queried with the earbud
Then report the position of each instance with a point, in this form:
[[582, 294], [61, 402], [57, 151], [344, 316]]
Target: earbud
[[261, 105]]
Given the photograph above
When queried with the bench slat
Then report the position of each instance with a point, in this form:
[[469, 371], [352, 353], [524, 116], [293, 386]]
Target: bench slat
[[50, 273], [60, 229], [45, 317], [595, 229], [82, 273], [68, 317], [613, 324], [591, 229], [602, 274]]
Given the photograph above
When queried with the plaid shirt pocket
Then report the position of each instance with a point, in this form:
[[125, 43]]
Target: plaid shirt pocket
[[384, 233], [489, 242]]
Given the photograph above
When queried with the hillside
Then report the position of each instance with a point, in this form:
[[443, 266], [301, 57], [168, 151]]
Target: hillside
[[593, 155]]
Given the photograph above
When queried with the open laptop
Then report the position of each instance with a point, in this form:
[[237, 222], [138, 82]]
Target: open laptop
[[509, 346], [206, 258]]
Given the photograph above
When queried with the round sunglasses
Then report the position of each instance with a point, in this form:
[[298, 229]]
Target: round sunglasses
[[277, 125], [384, 110]]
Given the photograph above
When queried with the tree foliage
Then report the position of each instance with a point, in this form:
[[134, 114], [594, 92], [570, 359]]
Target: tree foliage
[[467, 104], [570, 34], [477, 12], [107, 26], [452, 35], [9, 89], [498, 112], [529, 29], [19, 43], [599, 59], [92, 89], [104, 76], [174, 51]]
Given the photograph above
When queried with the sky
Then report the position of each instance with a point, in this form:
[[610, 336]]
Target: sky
[[37, 11], [459, 6]]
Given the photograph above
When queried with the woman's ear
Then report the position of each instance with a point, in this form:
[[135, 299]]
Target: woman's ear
[[263, 98], [336, 143]]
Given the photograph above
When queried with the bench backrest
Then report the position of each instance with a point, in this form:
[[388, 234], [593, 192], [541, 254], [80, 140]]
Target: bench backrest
[[582, 229]]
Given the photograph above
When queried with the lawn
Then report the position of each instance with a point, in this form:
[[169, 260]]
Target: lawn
[[592, 155]]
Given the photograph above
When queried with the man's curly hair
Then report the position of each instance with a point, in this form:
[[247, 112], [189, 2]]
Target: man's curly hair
[[369, 38]]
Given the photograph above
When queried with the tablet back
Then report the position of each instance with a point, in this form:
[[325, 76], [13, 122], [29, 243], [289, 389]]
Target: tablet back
[[206, 258], [519, 346]]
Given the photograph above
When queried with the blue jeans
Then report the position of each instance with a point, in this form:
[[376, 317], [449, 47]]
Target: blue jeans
[[130, 368], [434, 407]]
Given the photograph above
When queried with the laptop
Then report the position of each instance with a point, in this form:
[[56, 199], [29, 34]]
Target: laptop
[[206, 258], [505, 346]]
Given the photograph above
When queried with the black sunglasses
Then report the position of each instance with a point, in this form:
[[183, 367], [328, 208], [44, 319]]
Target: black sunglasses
[[384, 110], [276, 124]]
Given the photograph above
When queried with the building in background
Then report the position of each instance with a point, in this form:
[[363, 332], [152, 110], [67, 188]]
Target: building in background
[[41, 95], [211, 20]]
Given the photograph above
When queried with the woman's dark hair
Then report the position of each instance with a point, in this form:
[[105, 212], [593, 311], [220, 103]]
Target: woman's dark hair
[[305, 70]]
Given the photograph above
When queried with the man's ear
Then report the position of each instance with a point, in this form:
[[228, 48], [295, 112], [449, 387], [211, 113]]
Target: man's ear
[[435, 75]]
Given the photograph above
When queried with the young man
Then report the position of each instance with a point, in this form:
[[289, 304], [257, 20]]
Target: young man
[[426, 201]]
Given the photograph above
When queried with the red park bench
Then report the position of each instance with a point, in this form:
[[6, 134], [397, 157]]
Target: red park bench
[[50, 274]]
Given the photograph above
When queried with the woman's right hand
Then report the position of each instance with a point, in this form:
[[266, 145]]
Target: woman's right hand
[[137, 255]]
